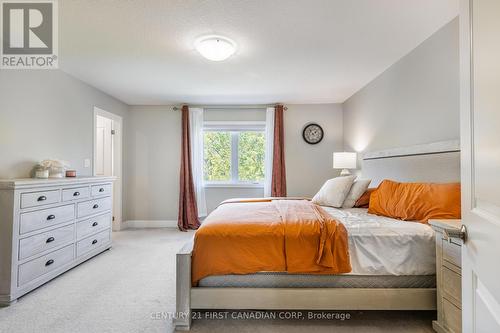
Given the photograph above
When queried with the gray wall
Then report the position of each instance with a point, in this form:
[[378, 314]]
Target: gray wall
[[414, 101], [152, 164], [48, 114], [153, 158], [309, 166], [215, 196]]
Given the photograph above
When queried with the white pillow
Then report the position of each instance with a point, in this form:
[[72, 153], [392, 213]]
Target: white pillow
[[334, 191], [357, 189]]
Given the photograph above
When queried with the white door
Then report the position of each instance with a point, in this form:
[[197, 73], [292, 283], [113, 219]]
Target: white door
[[108, 156], [480, 136], [104, 146]]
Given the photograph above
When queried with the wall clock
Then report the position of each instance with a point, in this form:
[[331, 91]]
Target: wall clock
[[312, 133]]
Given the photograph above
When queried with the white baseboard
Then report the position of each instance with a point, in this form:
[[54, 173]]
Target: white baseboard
[[137, 224]]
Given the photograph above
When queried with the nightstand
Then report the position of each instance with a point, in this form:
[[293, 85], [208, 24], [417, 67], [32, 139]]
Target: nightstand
[[449, 277]]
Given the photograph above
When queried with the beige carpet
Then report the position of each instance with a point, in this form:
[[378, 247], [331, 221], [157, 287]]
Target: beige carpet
[[123, 289]]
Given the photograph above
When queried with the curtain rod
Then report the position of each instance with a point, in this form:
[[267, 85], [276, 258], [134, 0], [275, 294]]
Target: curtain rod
[[264, 106]]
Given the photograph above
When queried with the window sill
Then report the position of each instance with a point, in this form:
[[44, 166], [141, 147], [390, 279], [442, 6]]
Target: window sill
[[229, 185]]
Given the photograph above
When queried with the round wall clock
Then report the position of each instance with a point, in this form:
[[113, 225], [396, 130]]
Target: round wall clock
[[312, 133]]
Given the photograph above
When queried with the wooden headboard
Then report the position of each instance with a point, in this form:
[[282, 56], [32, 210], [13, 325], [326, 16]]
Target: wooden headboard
[[437, 162]]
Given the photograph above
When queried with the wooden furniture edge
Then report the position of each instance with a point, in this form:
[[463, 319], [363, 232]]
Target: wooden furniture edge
[[314, 298], [445, 224], [182, 320]]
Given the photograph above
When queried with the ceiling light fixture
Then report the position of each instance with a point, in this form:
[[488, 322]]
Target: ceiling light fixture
[[215, 48]]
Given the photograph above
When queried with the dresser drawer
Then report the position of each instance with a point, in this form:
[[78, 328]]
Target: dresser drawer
[[94, 206], [452, 285], [45, 241], [452, 253], [92, 242], [35, 199], [45, 218], [452, 317], [100, 190], [45, 264], [69, 194], [93, 225]]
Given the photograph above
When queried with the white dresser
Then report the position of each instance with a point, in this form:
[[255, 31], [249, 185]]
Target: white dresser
[[449, 277], [49, 226]]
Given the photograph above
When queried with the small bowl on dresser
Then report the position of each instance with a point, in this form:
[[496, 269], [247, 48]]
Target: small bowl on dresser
[[71, 173]]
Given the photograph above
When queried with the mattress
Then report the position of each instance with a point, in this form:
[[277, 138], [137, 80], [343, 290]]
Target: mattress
[[285, 280], [384, 246]]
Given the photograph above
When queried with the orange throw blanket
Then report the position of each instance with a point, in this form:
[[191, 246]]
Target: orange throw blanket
[[249, 236]]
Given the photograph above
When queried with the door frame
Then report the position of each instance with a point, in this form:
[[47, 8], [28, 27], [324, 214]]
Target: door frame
[[117, 161]]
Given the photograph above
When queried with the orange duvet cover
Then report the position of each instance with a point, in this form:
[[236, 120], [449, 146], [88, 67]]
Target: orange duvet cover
[[249, 236]]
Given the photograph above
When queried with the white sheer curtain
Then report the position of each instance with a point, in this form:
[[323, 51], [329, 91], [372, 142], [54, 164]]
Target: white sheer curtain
[[269, 151], [196, 131]]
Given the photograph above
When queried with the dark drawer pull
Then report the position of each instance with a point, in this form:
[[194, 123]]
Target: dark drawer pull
[[49, 262], [94, 241], [42, 198], [95, 224], [50, 240], [101, 190], [76, 194], [95, 206], [51, 217]]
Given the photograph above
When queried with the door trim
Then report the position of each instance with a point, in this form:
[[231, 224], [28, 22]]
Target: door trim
[[117, 161]]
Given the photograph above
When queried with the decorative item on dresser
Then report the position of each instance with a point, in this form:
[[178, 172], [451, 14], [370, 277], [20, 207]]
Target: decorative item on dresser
[[48, 226], [449, 275]]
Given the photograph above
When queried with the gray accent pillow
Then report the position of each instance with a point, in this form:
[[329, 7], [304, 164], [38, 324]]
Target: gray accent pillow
[[357, 189]]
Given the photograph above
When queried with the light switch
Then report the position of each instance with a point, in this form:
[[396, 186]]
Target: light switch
[[86, 163]]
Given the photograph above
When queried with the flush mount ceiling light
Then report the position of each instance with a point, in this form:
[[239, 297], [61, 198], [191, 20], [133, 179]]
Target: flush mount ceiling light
[[215, 48]]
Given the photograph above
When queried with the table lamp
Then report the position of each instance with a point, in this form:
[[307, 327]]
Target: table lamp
[[344, 161]]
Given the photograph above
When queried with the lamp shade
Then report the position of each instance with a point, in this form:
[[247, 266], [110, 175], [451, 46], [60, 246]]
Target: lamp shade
[[344, 160]]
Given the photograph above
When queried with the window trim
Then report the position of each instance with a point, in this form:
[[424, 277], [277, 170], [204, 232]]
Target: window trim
[[237, 126], [233, 127], [232, 185]]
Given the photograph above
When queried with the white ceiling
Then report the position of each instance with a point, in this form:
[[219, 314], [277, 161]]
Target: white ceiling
[[290, 51]]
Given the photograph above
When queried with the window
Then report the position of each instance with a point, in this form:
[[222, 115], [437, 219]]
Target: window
[[234, 153]]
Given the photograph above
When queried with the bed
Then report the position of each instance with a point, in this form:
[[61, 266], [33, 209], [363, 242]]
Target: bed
[[393, 262], [372, 240]]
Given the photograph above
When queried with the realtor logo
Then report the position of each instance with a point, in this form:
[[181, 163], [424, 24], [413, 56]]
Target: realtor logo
[[29, 34]]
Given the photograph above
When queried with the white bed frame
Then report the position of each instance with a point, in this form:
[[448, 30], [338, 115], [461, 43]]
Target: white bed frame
[[206, 298], [421, 163]]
